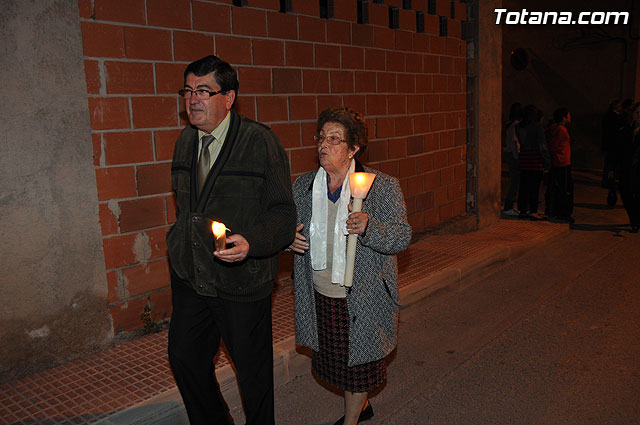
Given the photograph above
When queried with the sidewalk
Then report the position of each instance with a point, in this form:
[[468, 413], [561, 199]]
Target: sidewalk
[[132, 383]]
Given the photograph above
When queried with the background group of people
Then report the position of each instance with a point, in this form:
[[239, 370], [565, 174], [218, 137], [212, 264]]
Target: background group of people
[[530, 151], [233, 170]]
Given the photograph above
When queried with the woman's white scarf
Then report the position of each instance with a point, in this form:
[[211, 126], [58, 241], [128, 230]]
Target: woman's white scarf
[[318, 226]]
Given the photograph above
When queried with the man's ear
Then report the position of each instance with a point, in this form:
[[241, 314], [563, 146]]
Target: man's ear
[[229, 98]]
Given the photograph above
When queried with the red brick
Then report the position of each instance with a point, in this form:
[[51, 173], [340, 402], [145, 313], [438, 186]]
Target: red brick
[[165, 141], [169, 77], [246, 106], [395, 61], [421, 124], [312, 28], [127, 316], [375, 59], [308, 131], [446, 140], [129, 11], [118, 251], [443, 7], [440, 160], [378, 15], [424, 202], [386, 82], [454, 120], [461, 11], [383, 37], [298, 54], [154, 178], [431, 64], [355, 101], [235, 50], [459, 66], [282, 25], [397, 104], [446, 102], [404, 125], [129, 77], [390, 167], [303, 108], [247, 21], [128, 148], [102, 40], [415, 185], [288, 133], [351, 57], [362, 35], [446, 176], [327, 56], [272, 108], [109, 113], [446, 65], [158, 236], [438, 122], [187, 46], [146, 277], [440, 84], [96, 141], [454, 84], [341, 81], [330, 101], [415, 145], [454, 28], [415, 104], [460, 137], [254, 80], [115, 183], [211, 17], [303, 160], [413, 62], [147, 43], [385, 127], [315, 81], [338, 32], [431, 103], [149, 112], [406, 83], [432, 180], [424, 83], [85, 8], [407, 20], [169, 13], [404, 41], [92, 76], [408, 168], [432, 142], [108, 221], [376, 104], [431, 24], [267, 52], [306, 8], [396, 3], [365, 81], [460, 172], [437, 45], [345, 10], [455, 156], [139, 214], [378, 150]]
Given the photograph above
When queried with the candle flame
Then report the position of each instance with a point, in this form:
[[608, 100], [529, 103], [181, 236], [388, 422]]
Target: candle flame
[[218, 229]]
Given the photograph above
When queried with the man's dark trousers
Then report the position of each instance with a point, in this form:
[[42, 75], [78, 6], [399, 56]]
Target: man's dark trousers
[[197, 325]]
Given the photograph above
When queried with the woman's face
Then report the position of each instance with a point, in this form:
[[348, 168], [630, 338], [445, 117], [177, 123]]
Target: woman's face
[[335, 158], [636, 115]]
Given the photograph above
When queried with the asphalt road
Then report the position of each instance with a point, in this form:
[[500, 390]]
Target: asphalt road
[[551, 338]]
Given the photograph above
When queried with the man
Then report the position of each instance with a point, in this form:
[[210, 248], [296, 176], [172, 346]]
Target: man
[[560, 205], [232, 170], [615, 131]]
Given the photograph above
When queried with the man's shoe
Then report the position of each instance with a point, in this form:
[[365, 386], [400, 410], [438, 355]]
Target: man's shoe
[[365, 415], [510, 212]]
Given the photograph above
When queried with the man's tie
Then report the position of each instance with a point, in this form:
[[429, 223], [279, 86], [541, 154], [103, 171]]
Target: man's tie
[[204, 161]]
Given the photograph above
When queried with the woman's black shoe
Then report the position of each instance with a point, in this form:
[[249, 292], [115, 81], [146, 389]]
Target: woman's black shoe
[[365, 415]]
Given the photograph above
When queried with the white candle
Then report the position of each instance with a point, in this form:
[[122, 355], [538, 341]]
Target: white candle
[[359, 184], [219, 231]]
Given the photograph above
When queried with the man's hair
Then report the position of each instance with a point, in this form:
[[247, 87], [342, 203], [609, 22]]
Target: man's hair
[[224, 74], [559, 114], [353, 123]]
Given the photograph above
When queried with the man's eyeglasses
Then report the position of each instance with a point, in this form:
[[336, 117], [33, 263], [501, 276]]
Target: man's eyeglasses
[[332, 140], [201, 94]]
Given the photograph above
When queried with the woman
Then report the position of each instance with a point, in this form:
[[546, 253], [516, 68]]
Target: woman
[[630, 173], [350, 331], [510, 156], [534, 159]]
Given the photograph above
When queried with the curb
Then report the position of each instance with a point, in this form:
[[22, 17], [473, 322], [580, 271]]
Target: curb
[[288, 362]]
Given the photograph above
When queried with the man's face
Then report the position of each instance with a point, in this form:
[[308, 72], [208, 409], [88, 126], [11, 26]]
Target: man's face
[[206, 114]]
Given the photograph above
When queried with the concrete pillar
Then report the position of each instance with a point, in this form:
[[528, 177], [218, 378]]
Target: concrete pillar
[[53, 290]]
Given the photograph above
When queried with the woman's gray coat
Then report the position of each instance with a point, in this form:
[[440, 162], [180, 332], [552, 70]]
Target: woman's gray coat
[[373, 299]]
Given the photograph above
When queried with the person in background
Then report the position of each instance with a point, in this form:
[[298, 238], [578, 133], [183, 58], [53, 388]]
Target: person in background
[[350, 331], [615, 129], [232, 170], [630, 173], [560, 205], [533, 161], [510, 156]]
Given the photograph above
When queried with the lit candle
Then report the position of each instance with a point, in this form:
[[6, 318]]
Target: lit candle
[[219, 231], [359, 184]]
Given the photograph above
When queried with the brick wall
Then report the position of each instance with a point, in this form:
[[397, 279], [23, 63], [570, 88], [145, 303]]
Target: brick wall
[[411, 86]]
